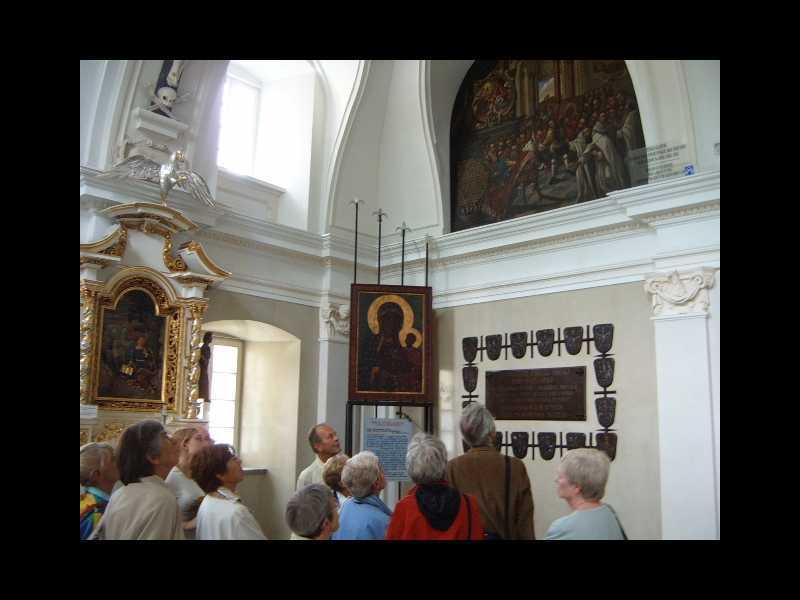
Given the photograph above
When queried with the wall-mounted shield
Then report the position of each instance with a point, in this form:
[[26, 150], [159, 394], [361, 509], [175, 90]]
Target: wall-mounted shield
[[574, 339], [547, 445], [519, 343], [606, 410], [494, 344], [469, 346], [498, 440], [576, 440], [470, 376], [519, 443], [603, 337], [607, 442], [544, 341], [466, 403], [604, 371]]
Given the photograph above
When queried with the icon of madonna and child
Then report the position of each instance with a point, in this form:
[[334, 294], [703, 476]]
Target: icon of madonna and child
[[391, 343]]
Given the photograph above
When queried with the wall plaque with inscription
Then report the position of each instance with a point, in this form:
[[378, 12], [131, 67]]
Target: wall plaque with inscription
[[537, 394]]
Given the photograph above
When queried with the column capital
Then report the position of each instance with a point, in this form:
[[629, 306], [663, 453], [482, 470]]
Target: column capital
[[334, 322], [680, 294]]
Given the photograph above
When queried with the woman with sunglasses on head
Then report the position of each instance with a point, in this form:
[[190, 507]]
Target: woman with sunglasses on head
[[191, 440], [222, 516]]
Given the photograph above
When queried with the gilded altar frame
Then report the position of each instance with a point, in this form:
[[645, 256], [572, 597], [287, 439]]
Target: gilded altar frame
[[167, 305]]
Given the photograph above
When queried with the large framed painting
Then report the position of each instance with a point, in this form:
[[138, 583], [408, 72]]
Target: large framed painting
[[390, 343], [527, 136], [132, 347]]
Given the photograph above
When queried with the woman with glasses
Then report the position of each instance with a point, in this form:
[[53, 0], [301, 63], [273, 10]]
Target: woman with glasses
[[145, 508], [190, 440], [222, 516]]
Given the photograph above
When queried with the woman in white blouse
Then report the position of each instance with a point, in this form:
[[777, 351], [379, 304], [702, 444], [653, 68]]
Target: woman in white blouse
[[179, 480], [222, 516]]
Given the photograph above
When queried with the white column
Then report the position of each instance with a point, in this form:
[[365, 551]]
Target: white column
[[686, 419], [334, 356]]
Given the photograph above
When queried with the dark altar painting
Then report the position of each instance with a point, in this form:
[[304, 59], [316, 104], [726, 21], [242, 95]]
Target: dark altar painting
[[132, 350], [528, 136], [390, 343]]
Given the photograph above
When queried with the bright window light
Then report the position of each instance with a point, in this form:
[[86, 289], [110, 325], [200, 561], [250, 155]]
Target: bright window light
[[238, 126], [224, 385]]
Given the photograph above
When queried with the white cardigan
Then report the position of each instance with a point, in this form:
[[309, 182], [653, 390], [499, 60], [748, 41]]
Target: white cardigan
[[226, 518]]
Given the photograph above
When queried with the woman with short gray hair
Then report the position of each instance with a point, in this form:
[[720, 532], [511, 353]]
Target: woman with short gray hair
[[363, 516], [500, 483], [311, 513], [433, 510], [99, 473], [581, 481]]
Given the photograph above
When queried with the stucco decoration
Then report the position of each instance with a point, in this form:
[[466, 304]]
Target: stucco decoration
[[337, 319], [680, 294]]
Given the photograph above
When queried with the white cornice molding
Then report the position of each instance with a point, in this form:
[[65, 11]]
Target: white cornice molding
[[669, 195], [272, 289]]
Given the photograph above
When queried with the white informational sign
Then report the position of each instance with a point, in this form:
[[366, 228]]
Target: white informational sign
[[659, 162], [388, 439]]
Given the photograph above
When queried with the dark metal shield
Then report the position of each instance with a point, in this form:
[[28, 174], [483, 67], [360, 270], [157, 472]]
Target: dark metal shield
[[519, 443], [469, 346], [606, 410], [519, 343], [604, 371], [607, 442], [547, 445], [544, 341], [576, 440], [494, 344], [603, 337], [470, 376], [574, 339], [465, 446], [466, 403], [498, 440]]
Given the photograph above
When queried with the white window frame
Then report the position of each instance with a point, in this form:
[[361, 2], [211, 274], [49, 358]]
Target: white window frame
[[222, 340]]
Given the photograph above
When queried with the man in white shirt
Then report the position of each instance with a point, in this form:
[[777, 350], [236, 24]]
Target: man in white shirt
[[324, 441]]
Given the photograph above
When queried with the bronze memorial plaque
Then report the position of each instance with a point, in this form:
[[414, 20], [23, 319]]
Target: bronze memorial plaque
[[537, 394]]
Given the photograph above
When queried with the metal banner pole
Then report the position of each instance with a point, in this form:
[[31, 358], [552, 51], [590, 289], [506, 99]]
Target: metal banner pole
[[403, 228], [380, 215], [355, 201], [426, 261]]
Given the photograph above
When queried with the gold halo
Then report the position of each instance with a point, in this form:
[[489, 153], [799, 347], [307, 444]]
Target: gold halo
[[408, 318]]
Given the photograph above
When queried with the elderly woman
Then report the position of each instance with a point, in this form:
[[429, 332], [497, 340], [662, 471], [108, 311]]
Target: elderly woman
[[581, 481], [500, 483], [433, 510], [145, 508], [363, 516], [332, 476], [99, 473], [222, 516], [190, 440], [311, 513]]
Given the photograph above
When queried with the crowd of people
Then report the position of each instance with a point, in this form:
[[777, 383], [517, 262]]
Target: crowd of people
[[183, 486]]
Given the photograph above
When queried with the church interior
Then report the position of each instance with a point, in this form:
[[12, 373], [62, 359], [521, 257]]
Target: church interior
[[547, 232]]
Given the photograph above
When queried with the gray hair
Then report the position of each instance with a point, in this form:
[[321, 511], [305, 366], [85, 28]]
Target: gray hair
[[93, 456], [426, 459], [360, 473], [476, 424], [308, 508], [588, 469]]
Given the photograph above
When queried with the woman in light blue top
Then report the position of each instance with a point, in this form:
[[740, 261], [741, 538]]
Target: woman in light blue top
[[363, 516], [581, 481]]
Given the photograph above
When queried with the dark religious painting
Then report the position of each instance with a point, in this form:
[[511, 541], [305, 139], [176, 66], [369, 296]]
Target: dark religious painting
[[390, 343], [528, 136], [132, 350]]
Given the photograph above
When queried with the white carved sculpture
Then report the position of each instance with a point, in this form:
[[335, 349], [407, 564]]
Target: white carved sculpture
[[677, 294], [337, 317]]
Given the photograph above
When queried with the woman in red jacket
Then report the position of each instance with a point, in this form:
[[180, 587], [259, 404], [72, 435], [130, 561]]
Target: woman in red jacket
[[433, 510]]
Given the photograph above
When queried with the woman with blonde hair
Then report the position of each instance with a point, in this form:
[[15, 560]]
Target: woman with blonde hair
[[191, 440], [332, 476], [99, 473]]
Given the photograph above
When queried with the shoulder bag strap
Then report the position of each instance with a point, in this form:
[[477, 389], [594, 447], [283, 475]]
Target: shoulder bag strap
[[469, 517], [508, 494], [621, 528]]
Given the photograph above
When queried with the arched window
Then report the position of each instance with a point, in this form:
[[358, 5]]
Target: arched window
[[241, 101]]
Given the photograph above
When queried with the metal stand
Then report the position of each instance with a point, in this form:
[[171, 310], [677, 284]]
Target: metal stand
[[348, 444], [380, 214]]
